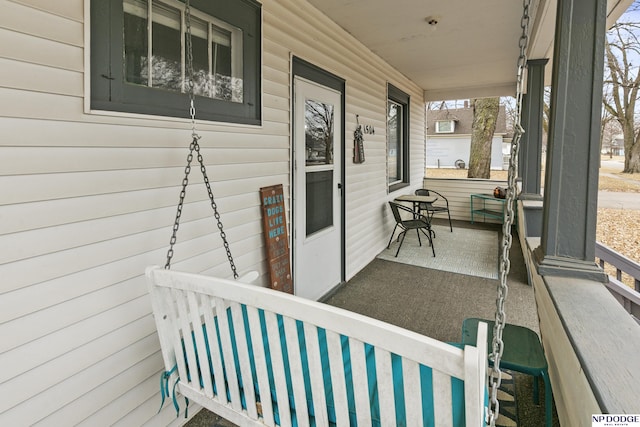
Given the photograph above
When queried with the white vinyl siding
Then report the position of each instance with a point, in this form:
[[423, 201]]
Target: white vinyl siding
[[88, 201]]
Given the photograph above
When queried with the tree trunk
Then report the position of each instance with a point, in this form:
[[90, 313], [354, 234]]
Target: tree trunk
[[623, 81], [485, 115], [632, 156]]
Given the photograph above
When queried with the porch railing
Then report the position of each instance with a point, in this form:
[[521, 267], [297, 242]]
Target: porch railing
[[627, 297]]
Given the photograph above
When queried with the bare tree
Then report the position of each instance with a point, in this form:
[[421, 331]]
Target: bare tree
[[485, 116], [511, 111], [546, 110], [436, 106], [319, 130], [622, 81], [610, 127]]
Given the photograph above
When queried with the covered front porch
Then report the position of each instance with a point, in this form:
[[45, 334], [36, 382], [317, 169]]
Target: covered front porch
[[91, 187]]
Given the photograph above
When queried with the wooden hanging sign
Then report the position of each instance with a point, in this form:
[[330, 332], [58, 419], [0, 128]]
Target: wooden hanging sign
[[276, 238]]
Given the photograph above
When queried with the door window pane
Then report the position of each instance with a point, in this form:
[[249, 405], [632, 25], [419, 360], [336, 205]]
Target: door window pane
[[319, 200], [318, 127]]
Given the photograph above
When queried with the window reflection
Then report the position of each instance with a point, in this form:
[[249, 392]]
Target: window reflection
[[135, 42], [166, 71], [199, 42], [394, 142], [319, 129], [319, 197], [216, 51]]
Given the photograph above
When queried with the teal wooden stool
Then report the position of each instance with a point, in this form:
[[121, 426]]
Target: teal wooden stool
[[522, 353]]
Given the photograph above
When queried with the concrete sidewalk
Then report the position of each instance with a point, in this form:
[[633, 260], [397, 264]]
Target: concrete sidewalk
[[617, 200], [613, 199]]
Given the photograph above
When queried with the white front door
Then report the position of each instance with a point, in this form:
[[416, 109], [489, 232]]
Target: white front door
[[317, 251]]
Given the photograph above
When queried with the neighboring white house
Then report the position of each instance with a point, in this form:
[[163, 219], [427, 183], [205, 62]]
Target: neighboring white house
[[615, 146], [449, 138]]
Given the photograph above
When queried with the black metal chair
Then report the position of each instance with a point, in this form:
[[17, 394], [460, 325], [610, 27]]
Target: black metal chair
[[436, 207], [418, 222]]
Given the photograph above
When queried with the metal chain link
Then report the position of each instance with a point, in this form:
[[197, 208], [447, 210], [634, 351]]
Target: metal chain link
[[195, 146], [183, 193], [495, 376], [189, 61]]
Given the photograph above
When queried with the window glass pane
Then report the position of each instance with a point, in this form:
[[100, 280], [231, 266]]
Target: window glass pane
[[444, 126], [221, 63], [166, 48], [135, 42], [319, 201], [221, 45], [394, 142], [214, 69], [199, 44], [318, 124]]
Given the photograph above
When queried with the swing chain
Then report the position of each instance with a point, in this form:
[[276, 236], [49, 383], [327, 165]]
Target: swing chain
[[214, 206], [183, 193], [189, 60], [195, 146], [495, 375]]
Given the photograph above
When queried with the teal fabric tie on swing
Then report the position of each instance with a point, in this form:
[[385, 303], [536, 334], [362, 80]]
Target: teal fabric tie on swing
[[164, 391]]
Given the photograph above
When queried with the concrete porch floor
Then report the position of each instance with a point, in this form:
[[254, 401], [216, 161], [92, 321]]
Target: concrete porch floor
[[435, 303]]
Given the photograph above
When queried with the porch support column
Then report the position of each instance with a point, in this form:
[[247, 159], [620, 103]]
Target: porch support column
[[531, 149], [571, 181]]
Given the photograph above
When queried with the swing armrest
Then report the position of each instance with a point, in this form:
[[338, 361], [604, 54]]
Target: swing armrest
[[249, 277]]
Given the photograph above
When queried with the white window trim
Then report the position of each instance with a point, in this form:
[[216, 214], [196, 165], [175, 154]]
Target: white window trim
[[451, 122]]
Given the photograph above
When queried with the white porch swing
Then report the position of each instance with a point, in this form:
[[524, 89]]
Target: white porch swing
[[258, 357]]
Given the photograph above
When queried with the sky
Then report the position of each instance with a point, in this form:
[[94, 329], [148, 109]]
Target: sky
[[633, 13]]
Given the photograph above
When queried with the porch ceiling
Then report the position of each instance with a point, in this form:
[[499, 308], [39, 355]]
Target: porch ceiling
[[471, 52]]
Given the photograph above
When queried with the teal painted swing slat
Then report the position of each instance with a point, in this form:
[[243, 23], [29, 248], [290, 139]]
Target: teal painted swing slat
[[457, 386]]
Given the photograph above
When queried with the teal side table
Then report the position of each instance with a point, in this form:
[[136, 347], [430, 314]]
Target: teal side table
[[522, 352]]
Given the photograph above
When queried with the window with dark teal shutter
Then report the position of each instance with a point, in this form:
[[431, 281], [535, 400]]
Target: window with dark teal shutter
[[397, 138], [139, 56]]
